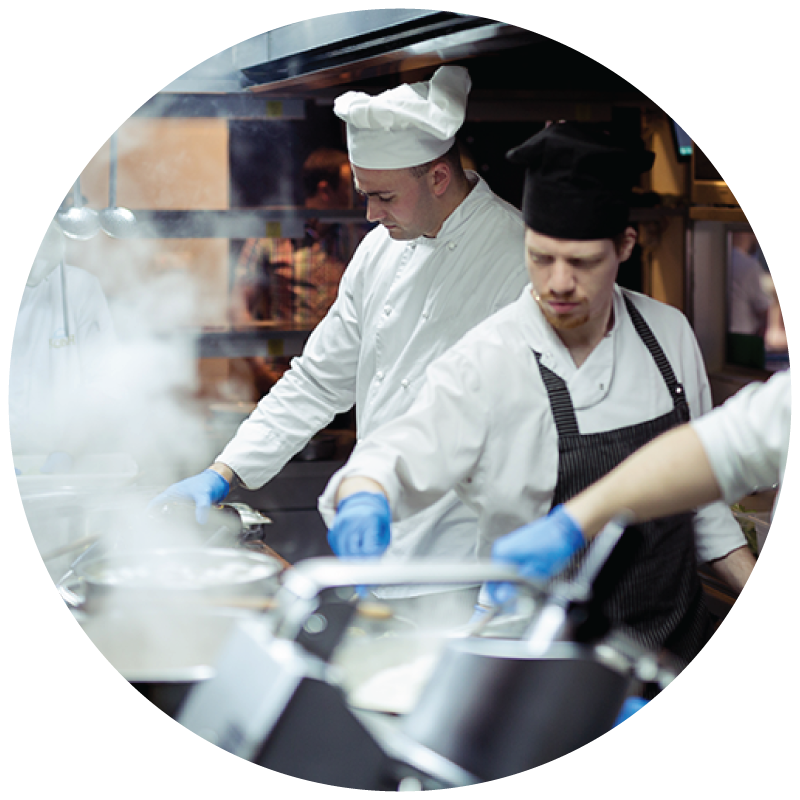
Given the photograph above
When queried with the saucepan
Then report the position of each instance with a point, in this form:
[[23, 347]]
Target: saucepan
[[185, 576], [496, 709], [499, 707]]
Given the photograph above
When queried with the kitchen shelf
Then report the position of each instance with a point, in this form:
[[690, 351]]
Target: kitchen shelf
[[251, 223], [281, 222], [267, 340]]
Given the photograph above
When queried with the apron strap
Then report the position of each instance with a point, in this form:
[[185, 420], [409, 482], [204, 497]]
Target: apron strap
[[560, 400], [675, 389]]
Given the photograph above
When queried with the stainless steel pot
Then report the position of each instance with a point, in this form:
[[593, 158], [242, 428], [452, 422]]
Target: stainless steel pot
[[170, 577], [163, 652]]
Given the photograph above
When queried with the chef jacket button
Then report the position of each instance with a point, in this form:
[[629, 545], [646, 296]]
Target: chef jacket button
[[387, 310], [379, 375], [404, 383], [451, 245]]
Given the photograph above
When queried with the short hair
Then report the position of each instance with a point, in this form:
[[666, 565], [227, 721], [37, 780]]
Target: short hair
[[324, 164], [452, 157]]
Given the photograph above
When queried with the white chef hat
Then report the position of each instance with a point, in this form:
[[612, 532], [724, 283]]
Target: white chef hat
[[406, 126]]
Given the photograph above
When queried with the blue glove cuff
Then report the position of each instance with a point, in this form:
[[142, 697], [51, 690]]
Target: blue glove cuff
[[573, 535], [219, 487]]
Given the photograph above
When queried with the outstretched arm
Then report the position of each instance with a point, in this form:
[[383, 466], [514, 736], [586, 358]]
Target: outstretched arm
[[669, 475]]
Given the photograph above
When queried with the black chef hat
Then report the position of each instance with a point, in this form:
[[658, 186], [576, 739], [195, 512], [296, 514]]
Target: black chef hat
[[578, 180]]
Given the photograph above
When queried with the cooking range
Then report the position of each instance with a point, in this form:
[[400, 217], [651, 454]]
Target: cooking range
[[291, 668]]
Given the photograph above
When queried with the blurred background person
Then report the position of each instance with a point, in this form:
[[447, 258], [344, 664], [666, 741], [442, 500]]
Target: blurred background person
[[756, 333], [749, 299], [60, 387]]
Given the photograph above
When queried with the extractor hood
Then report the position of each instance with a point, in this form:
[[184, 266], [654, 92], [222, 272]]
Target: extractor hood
[[355, 46], [367, 44]]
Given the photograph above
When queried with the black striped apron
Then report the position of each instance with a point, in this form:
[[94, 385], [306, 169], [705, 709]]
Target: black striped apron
[[655, 591]]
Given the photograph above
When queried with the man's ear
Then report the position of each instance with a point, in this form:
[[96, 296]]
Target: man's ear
[[628, 243], [440, 176]]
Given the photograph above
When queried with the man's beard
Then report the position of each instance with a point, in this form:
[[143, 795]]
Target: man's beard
[[578, 317]]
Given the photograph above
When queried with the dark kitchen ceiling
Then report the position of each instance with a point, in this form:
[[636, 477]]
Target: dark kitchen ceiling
[[517, 75], [376, 49]]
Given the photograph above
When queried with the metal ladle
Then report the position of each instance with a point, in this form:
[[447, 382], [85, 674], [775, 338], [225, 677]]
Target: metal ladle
[[116, 221], [78, 222]]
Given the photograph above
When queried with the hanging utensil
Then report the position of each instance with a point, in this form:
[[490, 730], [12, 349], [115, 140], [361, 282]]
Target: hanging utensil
[[64, 299], [116, 221], [78, 222]]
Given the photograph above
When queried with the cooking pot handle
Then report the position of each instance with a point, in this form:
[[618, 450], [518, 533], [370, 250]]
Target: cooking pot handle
[[299, 596], [66, 588], [312, 575]]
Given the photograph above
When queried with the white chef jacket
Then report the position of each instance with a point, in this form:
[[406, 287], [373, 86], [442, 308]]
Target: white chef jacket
[[400, 305], [747, 438], [482, 423], [55, 380]]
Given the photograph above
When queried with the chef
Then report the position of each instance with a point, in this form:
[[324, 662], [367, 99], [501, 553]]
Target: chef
[[444, 256], [730, 452], [60, 358], [553, 391]]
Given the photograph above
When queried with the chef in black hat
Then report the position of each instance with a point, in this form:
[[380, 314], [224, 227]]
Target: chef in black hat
[[543, 398]]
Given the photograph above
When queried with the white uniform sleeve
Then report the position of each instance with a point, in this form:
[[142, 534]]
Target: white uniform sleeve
[[717, 533], [430, 449], [747, 438], [320, 384]]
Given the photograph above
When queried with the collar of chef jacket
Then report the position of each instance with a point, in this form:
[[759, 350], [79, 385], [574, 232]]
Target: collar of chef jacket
[[459, 222], [591, 383]]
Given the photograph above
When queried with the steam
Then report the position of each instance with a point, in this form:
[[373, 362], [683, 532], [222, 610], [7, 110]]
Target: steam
[[139, 393]]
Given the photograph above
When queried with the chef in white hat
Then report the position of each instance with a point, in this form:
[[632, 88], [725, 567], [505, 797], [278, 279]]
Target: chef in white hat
[[445, 254]]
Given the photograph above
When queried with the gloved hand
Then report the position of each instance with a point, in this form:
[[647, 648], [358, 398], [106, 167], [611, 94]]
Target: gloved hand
[[57, 463], [541, 549], [204, 490], [362, 525], [629, 708]]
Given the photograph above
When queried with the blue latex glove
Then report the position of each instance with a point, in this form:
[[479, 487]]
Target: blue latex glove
[[629, 708], [541, 549], [57, 463], [362, 526], [204, 490]]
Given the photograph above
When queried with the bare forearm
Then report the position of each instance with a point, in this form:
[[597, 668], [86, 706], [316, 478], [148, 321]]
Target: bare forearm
[[357, 484], [735, 568], [224, 470], [669, 475]]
